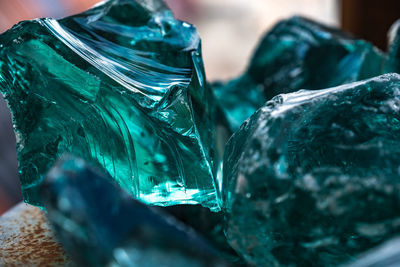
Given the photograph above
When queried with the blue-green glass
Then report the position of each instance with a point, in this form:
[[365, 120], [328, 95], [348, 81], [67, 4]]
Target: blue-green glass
[[238, 99], [312, 178], [295, 54], [121, 85], [99, 224]]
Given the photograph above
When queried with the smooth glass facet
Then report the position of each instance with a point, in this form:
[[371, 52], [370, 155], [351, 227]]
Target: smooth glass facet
[[295, 54], [312, 178], [121, 85]]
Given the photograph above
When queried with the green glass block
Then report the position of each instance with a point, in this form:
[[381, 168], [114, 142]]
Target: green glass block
[[313, 177], [121, 85], [393, 61], [297, 53]]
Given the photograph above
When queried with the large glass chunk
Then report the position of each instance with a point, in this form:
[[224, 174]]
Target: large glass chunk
[[101, 225], [312, 179], [297, 53], [121, 85]]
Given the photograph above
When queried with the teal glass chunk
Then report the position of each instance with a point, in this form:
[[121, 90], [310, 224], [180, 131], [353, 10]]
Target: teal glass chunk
[[99, 224], [393, 61], [297, 53], [238, 99], [121, 85], [312, 178]]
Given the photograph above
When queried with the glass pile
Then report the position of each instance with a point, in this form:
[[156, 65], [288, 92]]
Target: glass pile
[[117, 101]]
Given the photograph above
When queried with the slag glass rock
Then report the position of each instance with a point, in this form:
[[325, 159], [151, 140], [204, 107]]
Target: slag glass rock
[[121, 85], [312, 178]]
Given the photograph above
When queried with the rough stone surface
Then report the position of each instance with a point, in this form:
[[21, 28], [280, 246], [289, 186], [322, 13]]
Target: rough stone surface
[[312, 178], [121, 85], [27, 240]]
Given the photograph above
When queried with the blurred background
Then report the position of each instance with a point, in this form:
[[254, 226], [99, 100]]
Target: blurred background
[[230, 30]]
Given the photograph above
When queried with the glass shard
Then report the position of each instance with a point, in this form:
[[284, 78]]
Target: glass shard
[[121, 85], [297, 53], [98, 223], [312, 179]]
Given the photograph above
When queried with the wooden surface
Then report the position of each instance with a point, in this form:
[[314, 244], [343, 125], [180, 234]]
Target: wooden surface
[[370, 19], [26, 239]]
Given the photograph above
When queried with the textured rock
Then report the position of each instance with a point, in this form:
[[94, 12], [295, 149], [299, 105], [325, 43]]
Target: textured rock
[[297, 53], [122, 85], [27, 240], [312, 179], [98, 223]]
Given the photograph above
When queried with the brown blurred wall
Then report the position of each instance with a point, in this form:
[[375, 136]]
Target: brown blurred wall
[[369, 19]]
